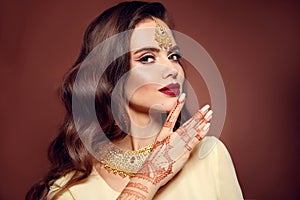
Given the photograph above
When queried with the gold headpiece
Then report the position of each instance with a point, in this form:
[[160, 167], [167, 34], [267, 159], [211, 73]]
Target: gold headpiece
[[162, 37], [122, 162]]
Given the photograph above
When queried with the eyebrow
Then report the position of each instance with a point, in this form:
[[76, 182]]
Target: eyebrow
[[174, 48], [154, 49]]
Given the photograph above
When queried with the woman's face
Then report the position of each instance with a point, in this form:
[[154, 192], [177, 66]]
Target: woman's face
[[156, 77]]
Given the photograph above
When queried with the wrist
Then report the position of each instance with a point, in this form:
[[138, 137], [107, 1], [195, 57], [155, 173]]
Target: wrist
[[138, 189], [148, 184]]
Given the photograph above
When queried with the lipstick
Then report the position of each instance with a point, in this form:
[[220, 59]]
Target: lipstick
[[172, 89]]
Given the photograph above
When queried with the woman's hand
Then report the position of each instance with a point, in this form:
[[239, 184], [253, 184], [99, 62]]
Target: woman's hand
[[170, 152]]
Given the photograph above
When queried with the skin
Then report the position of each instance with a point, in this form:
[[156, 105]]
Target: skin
[[151, 69]]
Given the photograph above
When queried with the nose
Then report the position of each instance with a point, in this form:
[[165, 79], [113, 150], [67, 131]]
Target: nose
[[170, 70]]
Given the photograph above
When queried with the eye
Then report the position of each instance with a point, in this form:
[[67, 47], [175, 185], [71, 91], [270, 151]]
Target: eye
[[146, 59], [174, 57]]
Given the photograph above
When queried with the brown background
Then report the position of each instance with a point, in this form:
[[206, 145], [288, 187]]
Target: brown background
[[255, 45]]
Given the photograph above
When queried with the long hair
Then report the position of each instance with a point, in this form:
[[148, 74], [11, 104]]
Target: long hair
[[67, 153]]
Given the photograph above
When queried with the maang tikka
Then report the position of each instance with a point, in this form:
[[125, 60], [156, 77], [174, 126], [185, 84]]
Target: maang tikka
[[162, 37]]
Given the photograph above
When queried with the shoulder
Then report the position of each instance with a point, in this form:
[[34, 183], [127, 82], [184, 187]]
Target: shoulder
[[212, 153], [92, 188], [57, 185], [211, 146]]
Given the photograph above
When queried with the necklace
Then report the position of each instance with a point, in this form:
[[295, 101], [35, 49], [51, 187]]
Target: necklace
[[122, 162]]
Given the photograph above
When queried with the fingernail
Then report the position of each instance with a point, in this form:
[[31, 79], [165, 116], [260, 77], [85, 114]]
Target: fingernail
[[181, 98], [205, 128], [208, 115], [205, 108]]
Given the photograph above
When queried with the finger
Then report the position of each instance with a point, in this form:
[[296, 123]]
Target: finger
[[201, 133], [201, 113], [187, 132], [188, 124], [203, 124], [200, 126], [174, 113], [198, 132], [198, 137], [187, 135], [208, 116], [185, 139]]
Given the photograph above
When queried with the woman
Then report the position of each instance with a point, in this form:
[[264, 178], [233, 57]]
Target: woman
[[137, 153]]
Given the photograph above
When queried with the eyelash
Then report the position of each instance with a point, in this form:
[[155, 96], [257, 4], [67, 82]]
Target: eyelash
[[177, 55], [144, 59]]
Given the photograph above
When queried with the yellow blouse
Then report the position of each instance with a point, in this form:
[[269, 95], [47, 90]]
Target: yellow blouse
[[209, 174]]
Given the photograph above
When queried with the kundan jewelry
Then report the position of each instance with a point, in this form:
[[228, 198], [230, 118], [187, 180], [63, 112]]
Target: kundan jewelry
[[122, 162], [162, 37]]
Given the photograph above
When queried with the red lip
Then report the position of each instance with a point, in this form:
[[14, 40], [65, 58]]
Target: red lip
[[172, 89]]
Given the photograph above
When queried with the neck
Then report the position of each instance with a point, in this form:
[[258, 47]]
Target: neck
[[124, 159], [144, 128]]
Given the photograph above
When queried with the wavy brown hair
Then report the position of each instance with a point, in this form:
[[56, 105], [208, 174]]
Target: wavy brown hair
[[67, 153]]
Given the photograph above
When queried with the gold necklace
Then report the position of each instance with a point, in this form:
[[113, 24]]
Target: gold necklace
[[122, 162]]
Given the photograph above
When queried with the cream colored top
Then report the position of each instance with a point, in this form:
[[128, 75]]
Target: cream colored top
[[209, 174]]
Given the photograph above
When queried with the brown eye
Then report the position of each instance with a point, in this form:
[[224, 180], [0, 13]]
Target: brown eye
[[147, 59], [174, 57]]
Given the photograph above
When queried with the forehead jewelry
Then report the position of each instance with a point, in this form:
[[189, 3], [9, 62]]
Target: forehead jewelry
[[162, 37]]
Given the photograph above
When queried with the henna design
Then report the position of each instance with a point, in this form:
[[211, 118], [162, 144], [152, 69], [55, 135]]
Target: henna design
[[169, 121], [188, 147], [161, 143], [168, 124], [160, 162], [185, 137], [197, 127], [184, 134], [138, 186], [205, 120], [198, 137], [198, 116], [158, 166], [130, 194]]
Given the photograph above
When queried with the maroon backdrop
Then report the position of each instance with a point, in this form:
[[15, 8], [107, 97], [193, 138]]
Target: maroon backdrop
[[255, 45]]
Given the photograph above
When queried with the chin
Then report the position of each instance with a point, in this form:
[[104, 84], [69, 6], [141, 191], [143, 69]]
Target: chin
[[168, 105], [153, 103]]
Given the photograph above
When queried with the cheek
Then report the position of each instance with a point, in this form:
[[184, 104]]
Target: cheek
[[181, 74], [143, 97], [146, 91], [142, 79], [148, 97], [142, 87], [146, 94]]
